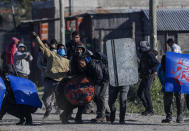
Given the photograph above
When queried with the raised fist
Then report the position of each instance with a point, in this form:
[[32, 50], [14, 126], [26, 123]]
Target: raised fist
[[34, 34]]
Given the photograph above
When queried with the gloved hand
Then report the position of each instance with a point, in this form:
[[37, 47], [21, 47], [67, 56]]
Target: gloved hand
[[87, 59]]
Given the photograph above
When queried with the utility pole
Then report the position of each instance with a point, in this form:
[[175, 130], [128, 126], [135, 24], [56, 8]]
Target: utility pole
[[153, 23], [13, 13], [133, 30], [62, 23], [70, 7]]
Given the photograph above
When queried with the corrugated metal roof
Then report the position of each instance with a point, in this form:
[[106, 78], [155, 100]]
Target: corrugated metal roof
[[171, 19], [101, 12], [39, 20]]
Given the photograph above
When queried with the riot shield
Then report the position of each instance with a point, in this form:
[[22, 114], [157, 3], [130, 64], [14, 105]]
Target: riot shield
[[24, 91], [2, 91], [122, 62]]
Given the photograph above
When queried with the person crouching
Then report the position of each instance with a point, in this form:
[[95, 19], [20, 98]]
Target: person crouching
[[93, 71], [21, 111]]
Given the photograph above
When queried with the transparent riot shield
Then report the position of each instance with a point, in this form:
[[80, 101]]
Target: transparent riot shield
[[122, 62]]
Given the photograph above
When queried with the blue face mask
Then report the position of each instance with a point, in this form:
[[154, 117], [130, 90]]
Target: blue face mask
[[61, 52]]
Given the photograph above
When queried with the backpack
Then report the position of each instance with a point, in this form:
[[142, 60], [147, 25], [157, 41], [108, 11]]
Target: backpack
[[103, 61], [101, 56]]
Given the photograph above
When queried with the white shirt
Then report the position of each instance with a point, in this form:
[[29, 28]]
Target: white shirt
[[176, 48]]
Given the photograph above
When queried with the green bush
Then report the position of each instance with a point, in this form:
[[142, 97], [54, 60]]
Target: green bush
[[134, 105], [157, 97]]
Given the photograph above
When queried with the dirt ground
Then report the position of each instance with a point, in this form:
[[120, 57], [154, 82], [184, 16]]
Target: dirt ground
[[134, 122]]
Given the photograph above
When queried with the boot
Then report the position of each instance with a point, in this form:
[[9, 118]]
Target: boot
[[179, 118], [146, 113], [112, 117], [99, 119], [29, 120], [71, 117], [168, 119], [122, 121], [179, 104], [64, 118], [78, 120], [21, 122], [108, 118], [122, 118], [47, 113], [1, 117]]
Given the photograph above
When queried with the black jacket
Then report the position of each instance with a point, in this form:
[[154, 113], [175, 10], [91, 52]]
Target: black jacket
[[74, 65], [148, 63], [94, 72], [70, 48]]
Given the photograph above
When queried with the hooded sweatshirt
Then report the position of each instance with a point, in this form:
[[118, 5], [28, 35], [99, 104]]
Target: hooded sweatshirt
[[11, 50], [57, 66], [21, 61]]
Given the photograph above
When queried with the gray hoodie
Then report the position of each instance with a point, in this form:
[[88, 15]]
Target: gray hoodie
[[21, 61]]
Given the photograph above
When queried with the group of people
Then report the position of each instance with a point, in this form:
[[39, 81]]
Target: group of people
[[58, 64]]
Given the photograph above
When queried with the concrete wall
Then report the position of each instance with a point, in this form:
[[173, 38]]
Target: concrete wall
[[83, 5], [173, 3], [122, 3], [142, 3], [183, 41]]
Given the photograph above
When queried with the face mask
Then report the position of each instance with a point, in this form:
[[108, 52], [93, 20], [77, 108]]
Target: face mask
[[61, 52], [79, 53]]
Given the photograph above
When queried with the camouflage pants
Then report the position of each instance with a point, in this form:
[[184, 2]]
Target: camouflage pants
[[168, 100], [49, 93]]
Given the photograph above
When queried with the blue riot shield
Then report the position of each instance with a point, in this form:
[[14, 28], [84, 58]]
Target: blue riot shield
[[25, 91], [2, 91]]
